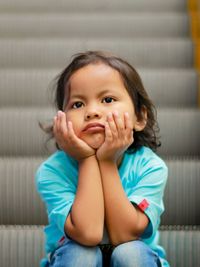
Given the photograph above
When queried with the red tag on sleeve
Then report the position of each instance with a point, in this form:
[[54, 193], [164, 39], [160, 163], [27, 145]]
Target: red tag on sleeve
[[61, 240], [143, 205]]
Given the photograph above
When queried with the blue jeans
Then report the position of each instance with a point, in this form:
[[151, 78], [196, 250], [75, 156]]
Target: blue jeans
[[130, 254]]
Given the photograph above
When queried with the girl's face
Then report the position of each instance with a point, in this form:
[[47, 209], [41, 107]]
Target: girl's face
[[96, 90]]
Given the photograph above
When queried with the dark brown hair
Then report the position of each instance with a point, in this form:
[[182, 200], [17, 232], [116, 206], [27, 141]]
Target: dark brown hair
[[133, 84]]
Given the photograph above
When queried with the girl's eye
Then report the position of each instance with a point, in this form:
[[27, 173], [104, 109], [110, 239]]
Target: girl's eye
[[77, 104], [108, 100]]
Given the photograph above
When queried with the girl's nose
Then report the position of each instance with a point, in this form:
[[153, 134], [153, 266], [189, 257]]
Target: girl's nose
[[92, 114]]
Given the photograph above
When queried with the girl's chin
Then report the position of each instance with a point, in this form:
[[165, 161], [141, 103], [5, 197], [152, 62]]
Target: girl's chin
[[95, 146], [95, 141]]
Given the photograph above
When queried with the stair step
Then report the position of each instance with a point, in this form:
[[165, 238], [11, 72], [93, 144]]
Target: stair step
[[172, 87], [183, 178], [17, 240], [54, 53], [18, 193], [20, 203], [178, 243], [21, 135], [21, 245], [33, 87], [91, 6], [180, 131], [94, 25]]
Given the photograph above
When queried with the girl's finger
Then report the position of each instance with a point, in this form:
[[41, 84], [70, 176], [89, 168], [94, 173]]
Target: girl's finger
[[55, 125], [127, 121], [112, 124], [56, 133], [70, 128], [119, 122], [108, 133], [63, 124], [128, 126], [71, 133], [59, 116]]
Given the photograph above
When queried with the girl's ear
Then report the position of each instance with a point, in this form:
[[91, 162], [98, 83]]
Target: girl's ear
[[142, 120]]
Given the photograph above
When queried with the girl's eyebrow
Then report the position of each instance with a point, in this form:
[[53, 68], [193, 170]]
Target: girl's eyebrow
[[82, 96], [106, 91], [79, 96]]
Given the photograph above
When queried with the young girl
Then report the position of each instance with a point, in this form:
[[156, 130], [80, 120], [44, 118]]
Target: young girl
[[103, 187]]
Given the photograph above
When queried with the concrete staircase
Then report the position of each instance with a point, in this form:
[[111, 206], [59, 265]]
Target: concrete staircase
[[37, 39]]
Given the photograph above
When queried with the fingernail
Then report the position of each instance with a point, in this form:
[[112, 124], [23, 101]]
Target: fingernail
[[116, 113], [126, 114], [59, 113], [109, 115]]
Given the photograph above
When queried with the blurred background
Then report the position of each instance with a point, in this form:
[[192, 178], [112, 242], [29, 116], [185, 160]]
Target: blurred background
[[37, 39]]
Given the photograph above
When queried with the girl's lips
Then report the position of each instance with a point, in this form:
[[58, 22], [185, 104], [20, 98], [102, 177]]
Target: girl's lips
[[94, 127]]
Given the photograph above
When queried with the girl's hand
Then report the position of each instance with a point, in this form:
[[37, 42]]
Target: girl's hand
[[68, 140], [118, 137]]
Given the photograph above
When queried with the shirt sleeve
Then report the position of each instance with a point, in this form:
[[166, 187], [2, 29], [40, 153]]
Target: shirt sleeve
[[58, 194], [148, 192]]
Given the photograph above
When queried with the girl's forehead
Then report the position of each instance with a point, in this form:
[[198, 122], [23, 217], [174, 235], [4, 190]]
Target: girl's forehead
[[97, 76]]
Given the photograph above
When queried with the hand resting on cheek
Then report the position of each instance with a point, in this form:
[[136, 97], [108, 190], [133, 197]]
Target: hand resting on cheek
[[68, 140], [118, 137]]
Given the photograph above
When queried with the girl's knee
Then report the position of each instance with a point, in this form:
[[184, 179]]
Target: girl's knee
[[134, 254], [73, 254]]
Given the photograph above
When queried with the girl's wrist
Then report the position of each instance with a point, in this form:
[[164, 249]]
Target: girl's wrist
[[107, 166], [111, 161], [107, 162], [87, 158]]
